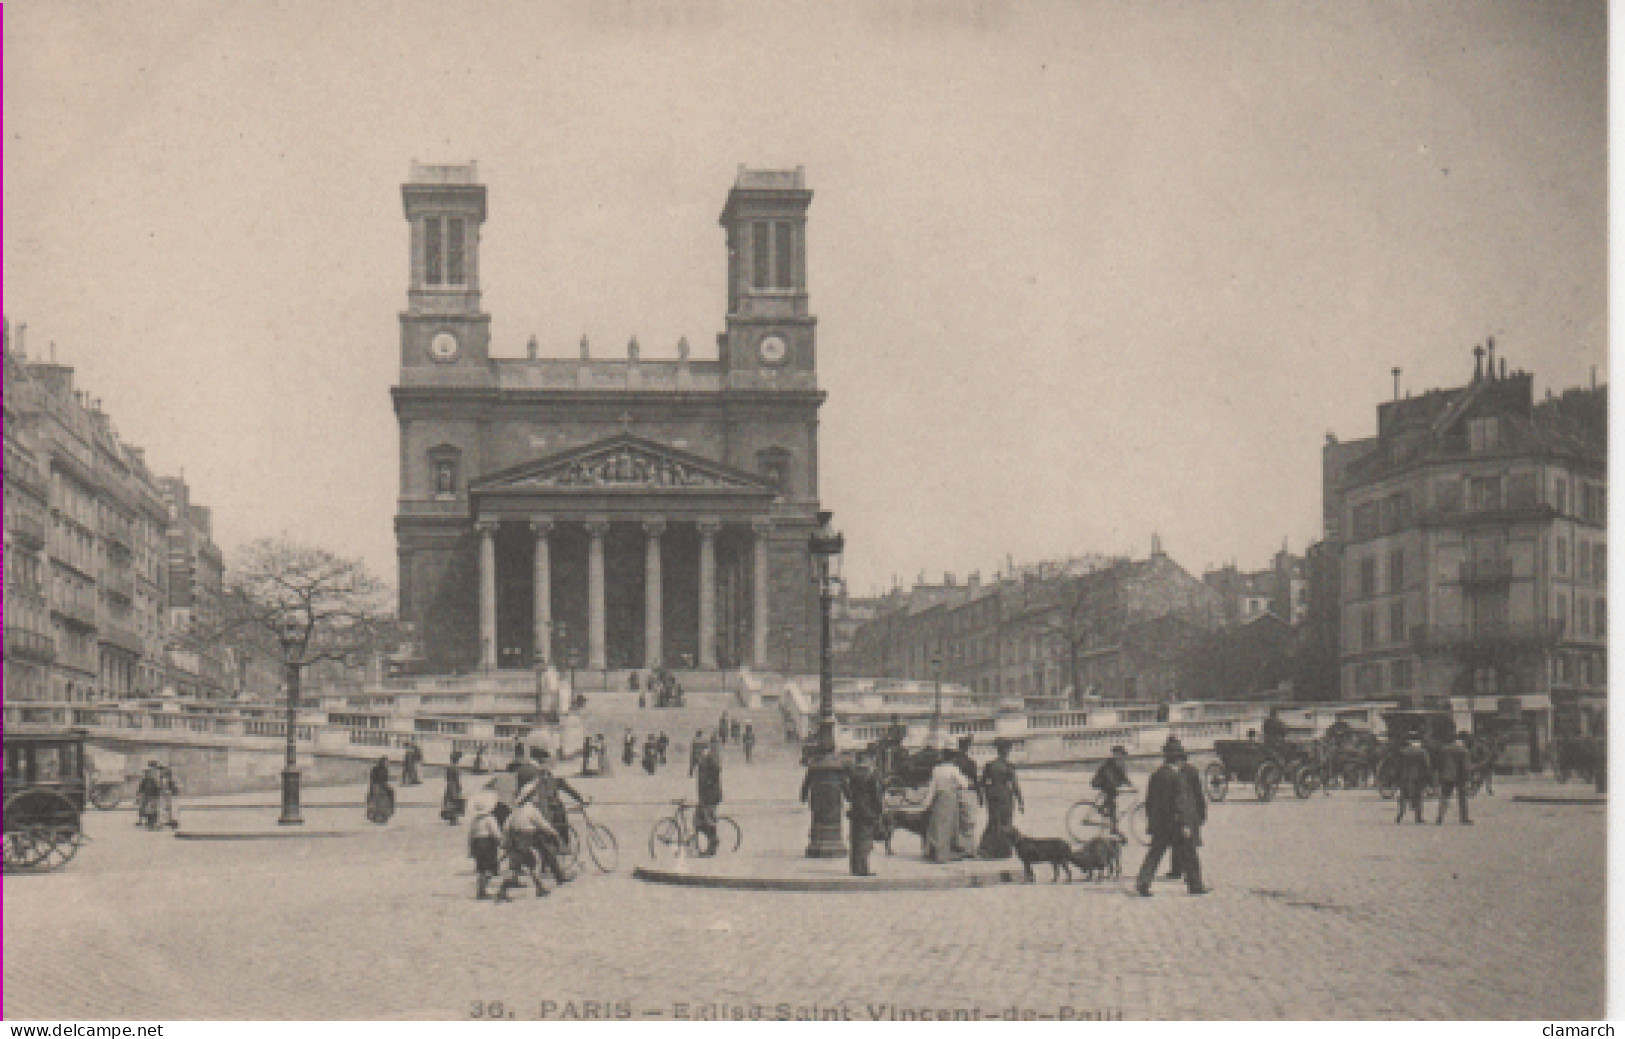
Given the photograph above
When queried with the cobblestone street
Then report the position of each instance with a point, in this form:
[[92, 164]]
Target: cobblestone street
[[1322, 909]]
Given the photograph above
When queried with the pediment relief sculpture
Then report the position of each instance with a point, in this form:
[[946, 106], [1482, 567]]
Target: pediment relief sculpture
[[626, 468]]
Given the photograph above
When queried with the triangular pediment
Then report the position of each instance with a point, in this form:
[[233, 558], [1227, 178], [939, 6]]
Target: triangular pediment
[[623, 462]]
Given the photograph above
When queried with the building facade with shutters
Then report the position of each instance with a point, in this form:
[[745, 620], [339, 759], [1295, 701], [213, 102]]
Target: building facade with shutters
[[1472, 542], [608, 512]]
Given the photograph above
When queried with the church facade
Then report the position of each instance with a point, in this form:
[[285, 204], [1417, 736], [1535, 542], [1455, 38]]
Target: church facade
[[608, 512]]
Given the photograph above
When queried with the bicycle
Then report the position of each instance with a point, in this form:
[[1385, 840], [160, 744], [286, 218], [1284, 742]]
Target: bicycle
[[596, 838], [676, 837], [1087, 819]]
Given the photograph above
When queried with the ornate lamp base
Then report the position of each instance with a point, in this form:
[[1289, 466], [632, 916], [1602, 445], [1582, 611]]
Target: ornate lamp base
[[290, 799], [824, 796]]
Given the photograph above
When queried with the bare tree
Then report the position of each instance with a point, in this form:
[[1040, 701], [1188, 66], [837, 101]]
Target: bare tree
[[319, 606]]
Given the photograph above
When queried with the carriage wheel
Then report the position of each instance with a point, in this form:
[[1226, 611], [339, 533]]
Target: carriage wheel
[[1218, 782], [1305, 781], [1269, 777], [21, 849], [60, 846], [106, 796]]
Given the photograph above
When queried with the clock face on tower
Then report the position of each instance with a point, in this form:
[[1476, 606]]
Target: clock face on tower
[[772, 349], [443, 347]]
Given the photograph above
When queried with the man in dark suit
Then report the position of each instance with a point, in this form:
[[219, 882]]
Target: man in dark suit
[[1175, 809], [861, 787], [1413, 776], [1454, 770], [710, 795]]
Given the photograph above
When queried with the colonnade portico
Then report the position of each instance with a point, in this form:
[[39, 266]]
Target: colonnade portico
[[655, 531]]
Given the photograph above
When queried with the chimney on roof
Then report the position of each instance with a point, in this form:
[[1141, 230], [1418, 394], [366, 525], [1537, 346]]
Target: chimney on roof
[[1478, 363], [1548, 392], [1156, 545], [1396, 383], [948, 579], [1489, 343], [532, 348], [1503, 368], [22, 344]]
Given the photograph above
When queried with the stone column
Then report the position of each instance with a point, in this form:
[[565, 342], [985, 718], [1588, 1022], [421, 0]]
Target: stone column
[[708, 592], [597, 656], [653, 627], [758, 612], [542, 590], [488, 593]]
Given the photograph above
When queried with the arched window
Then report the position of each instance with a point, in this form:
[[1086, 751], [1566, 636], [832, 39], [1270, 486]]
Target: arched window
[[444, 466]]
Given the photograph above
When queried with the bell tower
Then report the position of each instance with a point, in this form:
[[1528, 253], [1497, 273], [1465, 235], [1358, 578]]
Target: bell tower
[[770, 337], [443, 327]]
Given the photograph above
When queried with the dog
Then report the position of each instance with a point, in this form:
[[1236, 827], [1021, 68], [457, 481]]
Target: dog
[[894, 819], [1053, 850], [1100, 858]]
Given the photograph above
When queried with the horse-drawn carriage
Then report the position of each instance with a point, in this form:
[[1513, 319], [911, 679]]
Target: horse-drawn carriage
[[44, 795]]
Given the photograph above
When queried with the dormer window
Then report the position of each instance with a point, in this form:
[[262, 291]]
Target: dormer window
[[1484, 434]]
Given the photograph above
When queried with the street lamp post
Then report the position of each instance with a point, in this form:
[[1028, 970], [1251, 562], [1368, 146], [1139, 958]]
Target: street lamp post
[[936, 701], [293, 644], [824, 771]]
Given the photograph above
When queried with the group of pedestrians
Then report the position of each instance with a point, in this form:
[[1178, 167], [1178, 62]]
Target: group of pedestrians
[[155, 797], [1450, 761], [530, 832], [956, 791], [665, 687], [654, 752], [730, 729]]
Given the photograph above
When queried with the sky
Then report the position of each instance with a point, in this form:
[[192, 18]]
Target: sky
[[1084, 271]]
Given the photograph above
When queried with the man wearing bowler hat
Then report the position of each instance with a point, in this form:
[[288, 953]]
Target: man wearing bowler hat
[[1175, 810]]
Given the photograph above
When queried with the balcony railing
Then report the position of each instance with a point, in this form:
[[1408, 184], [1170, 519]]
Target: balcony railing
[[82, 614], [1486, 571], [1488, 638], [123, 637], [120, 583], [26, 477], [1521, 512], [118, 541], [30, 645], [26, 528]]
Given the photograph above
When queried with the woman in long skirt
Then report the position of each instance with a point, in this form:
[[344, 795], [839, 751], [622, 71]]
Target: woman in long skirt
[[451, 804], [942, 828], [380, 798], [1003, 794]]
